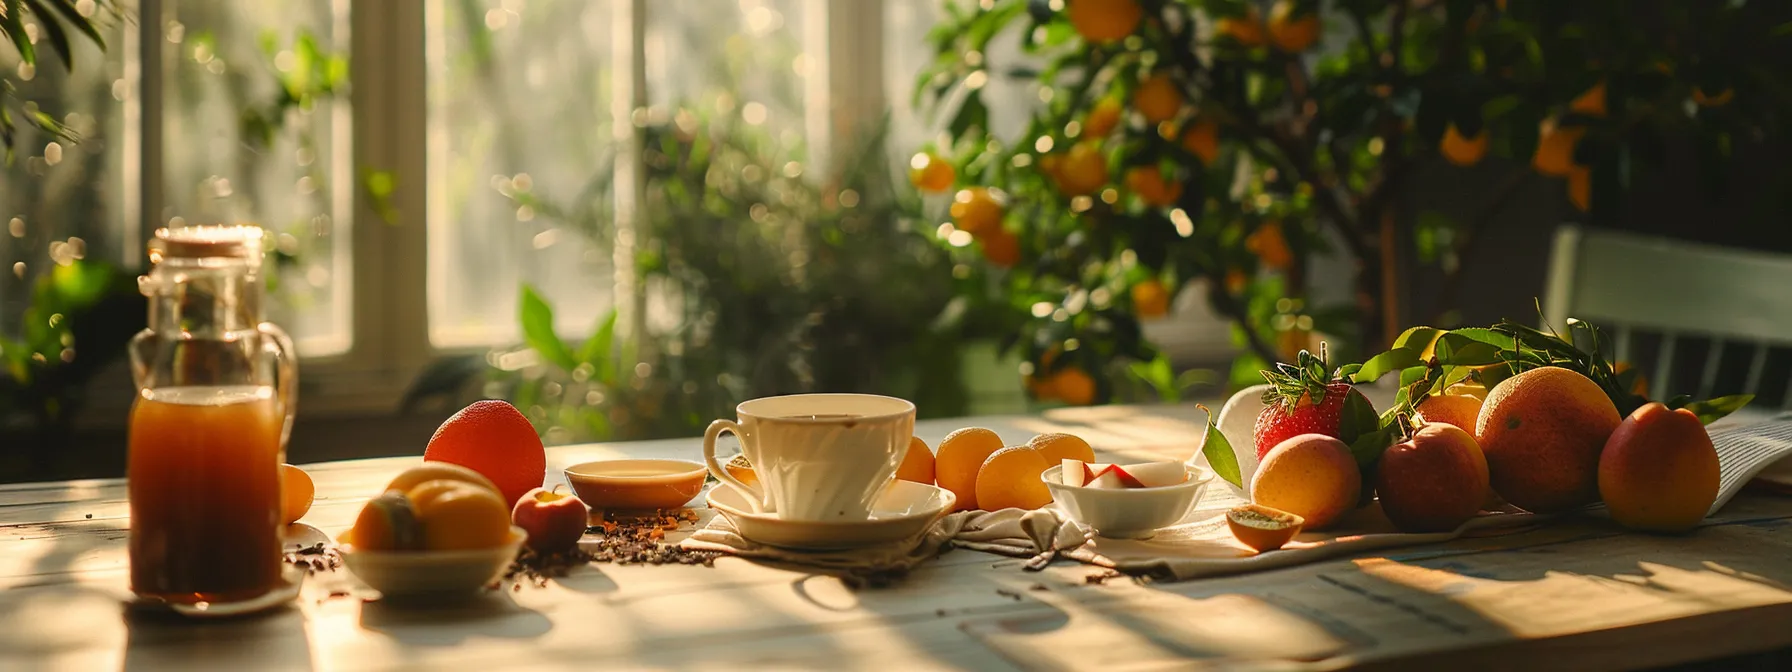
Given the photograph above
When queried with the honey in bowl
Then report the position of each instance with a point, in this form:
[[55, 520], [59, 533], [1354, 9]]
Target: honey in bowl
[[204, 483], [636, 484]]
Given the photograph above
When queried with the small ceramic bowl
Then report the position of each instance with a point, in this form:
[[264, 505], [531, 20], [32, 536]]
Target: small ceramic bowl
[[637, 484], [1132, 513], [403, 574]]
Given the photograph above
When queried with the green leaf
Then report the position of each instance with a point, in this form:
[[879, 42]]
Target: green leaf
[[537, 318], [1458, 350], [596, 350], [1219, 452], [74, 18], [53, 29], [1393, 360], [1358, 418], [1711, 410], [13, 22]]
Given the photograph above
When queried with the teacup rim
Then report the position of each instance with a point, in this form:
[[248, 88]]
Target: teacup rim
[[740, 409]]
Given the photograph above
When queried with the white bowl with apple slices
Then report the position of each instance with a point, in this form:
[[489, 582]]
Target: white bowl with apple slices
[[1120, 504]]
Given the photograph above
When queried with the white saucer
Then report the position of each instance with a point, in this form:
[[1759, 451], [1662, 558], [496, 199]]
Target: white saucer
[[904, 511]]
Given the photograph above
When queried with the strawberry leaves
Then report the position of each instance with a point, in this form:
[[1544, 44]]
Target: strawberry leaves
[[1304, 381]]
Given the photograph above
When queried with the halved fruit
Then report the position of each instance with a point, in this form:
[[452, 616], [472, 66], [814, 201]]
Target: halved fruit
[[1263, 528]]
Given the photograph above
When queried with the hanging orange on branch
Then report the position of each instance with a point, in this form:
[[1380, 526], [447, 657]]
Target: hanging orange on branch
[[1104, 20]]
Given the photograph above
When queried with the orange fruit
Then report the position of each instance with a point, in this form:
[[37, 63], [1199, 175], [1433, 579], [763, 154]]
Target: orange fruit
[[960, 456], [1640, 385], [296, 493], [494, 439], [1721, 99], [1009, 479], [1555, 148], [456, 516], [1542, 432], [1083, 170], [1580, 187], [1202, 139], [1041, 387], [1149, 184], [1591, 102], [1104, 20], [1157, 98], [432, 471], [1245, 30], [930, 173], [1102, 119], [1057, 447], [1290, 32], [1269, 245], [1073, 386], [1150, 298], [1462, 151], [978, 210], [1001, 248], [917, 464]]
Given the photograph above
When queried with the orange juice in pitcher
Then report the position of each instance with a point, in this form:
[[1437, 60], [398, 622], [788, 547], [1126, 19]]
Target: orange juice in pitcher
[[208, 430]]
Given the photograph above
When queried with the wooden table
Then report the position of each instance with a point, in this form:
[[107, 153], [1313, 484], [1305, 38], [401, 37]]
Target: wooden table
[[1574, 595]]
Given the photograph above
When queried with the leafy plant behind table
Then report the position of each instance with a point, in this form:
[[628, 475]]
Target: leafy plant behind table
[[761, 278], [1223, 144]]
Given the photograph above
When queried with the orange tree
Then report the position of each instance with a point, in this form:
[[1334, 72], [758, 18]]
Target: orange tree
[[1225, 144]]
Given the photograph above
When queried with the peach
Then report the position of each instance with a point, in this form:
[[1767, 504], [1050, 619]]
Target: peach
[[1542, 432], [386, 523], [434, 471], [1434, 481], [1312, 476], [1457, 406], [1262, 528], [1659, 471], [554, 521], [460, 517]]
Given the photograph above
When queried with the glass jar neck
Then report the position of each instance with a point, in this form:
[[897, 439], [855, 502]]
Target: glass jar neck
[[204, 297]]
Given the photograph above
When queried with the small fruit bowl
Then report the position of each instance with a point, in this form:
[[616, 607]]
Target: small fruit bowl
[[1130, 513], [412, 574], [637, 483]]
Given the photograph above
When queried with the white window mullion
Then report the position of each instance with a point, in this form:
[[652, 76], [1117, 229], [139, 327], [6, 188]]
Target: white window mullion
[[845, 90], [143, 75], [629, 51]]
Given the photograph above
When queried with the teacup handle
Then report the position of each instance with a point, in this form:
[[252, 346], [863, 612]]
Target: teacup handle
[[755, 496]]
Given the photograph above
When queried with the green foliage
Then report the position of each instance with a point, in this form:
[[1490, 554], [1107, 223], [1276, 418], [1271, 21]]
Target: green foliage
[[81, 316], [1315, 151], [771, 282], [56, 18]]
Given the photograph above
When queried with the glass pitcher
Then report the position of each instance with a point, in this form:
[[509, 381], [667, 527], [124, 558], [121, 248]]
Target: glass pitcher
[[208, 429]]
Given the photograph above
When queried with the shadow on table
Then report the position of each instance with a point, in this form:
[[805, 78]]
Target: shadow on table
[[488, 615], [273, 640]]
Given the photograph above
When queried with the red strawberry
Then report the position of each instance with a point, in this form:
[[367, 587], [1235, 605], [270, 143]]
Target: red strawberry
[[1304, 398]]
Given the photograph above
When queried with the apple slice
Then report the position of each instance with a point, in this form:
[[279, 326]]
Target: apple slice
[[1074, 473], [1153, 474], [1104, 476]]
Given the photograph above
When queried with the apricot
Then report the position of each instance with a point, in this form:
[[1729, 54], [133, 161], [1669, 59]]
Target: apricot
[[1434, 481], [1461, 410], [458, 516], [1542, 432], [1056, 448], [1659, 471], [960, 457], [1310, 475], [1262, 528], [296, 492], [386, 523], [432, 471], [917, 463], [1009, 479]]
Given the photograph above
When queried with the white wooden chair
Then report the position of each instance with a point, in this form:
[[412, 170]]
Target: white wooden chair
[[1626, 283]]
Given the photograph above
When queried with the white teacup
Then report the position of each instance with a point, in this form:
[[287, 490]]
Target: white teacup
[[818, 457]]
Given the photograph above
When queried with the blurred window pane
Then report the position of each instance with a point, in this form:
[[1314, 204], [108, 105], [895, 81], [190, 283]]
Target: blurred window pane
[[60, 200], [519, 104], [255, 129]]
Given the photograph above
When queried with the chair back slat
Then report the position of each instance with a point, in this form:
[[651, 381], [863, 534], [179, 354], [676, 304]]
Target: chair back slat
[[1752, 384], [1708, 376], [1664, 363]]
